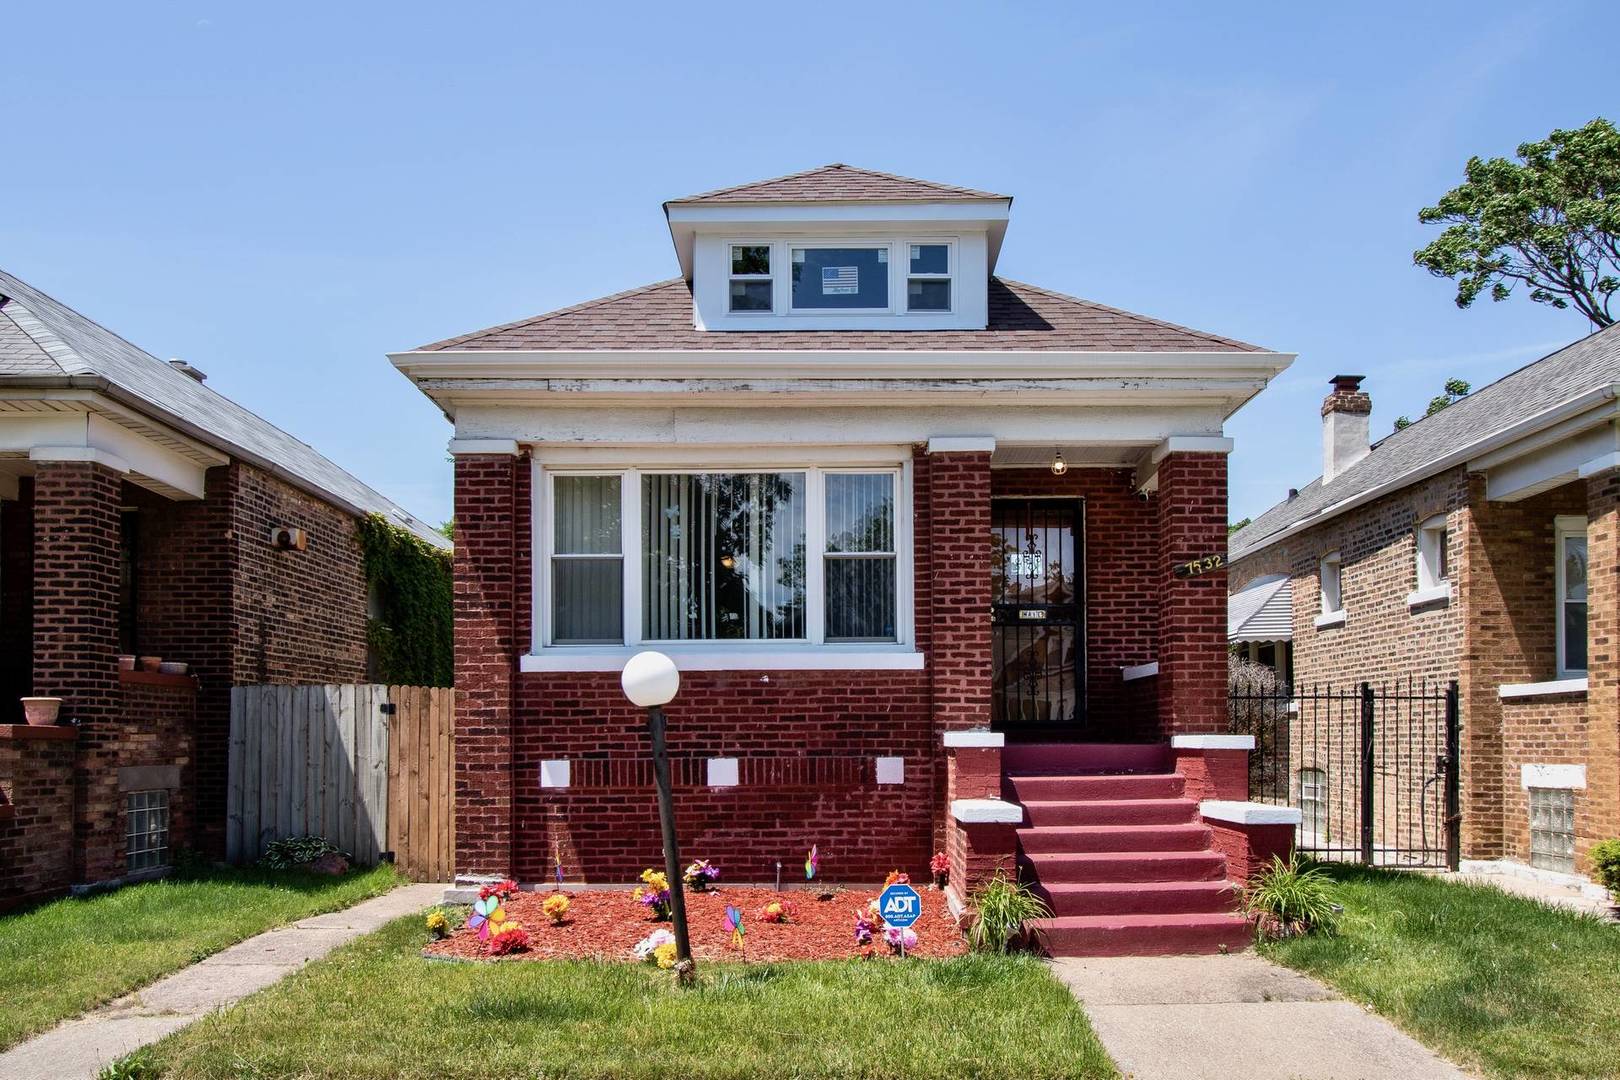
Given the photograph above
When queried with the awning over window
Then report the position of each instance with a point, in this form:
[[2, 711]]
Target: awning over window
[[1263, 610]]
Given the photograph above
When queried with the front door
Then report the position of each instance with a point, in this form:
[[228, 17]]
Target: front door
[[1037, 616]]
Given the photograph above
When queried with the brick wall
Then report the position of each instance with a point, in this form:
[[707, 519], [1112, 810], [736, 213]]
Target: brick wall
[[1597, 809], [16, 601], [1192, 516], [36, 813]]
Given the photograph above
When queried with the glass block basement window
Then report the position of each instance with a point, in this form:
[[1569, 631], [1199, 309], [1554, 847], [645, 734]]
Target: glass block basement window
[[146, 840], [1552, 829]]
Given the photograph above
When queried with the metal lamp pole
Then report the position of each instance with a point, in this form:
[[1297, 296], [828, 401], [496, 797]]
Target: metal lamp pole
[[650, 680]]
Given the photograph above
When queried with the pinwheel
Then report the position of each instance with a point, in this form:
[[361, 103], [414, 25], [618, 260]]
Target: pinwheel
[[486, 911], [734, 923], [812, 863]]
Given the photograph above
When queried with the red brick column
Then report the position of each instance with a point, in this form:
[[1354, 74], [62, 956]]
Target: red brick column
[[486, 660], [1597, 812], [36, 812], [1192, 611], [959, 525], [76, 578]]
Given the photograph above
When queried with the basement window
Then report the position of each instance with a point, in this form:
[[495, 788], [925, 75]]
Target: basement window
[[1552, 829], [146, 831]]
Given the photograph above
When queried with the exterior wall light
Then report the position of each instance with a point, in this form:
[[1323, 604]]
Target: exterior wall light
[[1059, 466]]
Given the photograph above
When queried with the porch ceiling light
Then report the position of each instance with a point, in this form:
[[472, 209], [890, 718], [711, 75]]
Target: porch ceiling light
[[650, 679], [1059, 466]]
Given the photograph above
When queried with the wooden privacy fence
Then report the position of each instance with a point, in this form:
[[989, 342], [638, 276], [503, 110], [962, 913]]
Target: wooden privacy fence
[[369, 767]]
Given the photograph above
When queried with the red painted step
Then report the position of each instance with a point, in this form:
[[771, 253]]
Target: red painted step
[[1141, 935], [1042, 813], [1081, 838], [1087, 788], [1051, 867], [1139, 897], [1078, 758]]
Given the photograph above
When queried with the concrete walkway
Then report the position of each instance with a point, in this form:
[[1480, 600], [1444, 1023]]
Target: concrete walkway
[[79, 1048], [1237, 1017]]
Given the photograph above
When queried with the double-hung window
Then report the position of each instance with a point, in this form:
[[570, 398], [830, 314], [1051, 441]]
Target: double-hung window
[[1570, 575], [751, 286], [794, 556], [928, 277]]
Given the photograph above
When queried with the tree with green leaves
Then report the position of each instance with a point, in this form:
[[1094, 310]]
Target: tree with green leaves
[[1455, 390], [1549, 222]]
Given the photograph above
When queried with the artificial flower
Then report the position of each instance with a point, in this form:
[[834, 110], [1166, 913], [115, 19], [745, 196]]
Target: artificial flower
[[555, 907]]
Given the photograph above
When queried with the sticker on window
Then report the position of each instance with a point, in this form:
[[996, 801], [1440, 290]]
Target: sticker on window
[[840, 280], [1025, 564]]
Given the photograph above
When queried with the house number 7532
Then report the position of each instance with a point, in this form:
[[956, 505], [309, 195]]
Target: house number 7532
[[1203, 565]]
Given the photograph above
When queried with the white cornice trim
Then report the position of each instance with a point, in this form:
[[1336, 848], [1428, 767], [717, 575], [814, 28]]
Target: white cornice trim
[[1191, 444], [507, 447], [1601, 463], [961, 444], [80, 453]]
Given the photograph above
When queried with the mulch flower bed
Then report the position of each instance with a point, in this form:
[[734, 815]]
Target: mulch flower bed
[[606, 926]]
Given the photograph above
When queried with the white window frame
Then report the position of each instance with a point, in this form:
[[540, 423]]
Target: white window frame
[[770, 276], [1564, 527], [1332, 615], [1429, 540], [813, 652], [948, 276]]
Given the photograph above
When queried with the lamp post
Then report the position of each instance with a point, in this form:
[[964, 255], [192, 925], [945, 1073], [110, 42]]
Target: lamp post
[[650, 680]]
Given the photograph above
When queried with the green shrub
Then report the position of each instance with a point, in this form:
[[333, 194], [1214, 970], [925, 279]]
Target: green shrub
[[1292, 898], [1001, 908], [296, 851], [141, 1065], [1606, 863]]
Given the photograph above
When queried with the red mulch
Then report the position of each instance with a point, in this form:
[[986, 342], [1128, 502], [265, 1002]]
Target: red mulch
[[607, 925]]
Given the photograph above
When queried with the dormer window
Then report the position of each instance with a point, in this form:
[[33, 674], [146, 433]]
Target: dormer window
[[841, 278], [928, 280], [750, 277]]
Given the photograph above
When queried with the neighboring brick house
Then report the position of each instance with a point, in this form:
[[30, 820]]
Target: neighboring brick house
[[878, 503], [137, 509], [1481, 544]]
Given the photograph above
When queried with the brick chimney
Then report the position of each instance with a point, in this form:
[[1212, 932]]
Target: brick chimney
[[1345, 416]]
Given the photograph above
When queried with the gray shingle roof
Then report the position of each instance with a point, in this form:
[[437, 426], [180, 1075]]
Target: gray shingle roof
[[42, 338], [659, 316], [1592, 362], [837, 183]]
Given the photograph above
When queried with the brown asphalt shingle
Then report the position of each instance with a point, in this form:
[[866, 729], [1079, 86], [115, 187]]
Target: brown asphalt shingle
[[836, 183], [1022, 317]]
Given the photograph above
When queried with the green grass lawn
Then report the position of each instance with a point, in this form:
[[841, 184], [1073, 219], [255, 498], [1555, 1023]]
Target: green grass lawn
[[1495, 982], [376, 1008], [64, 957]]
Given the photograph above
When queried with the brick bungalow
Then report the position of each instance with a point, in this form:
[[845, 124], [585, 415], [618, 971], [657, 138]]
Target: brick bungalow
[[1480, 544], [139, 513], [886, 510]]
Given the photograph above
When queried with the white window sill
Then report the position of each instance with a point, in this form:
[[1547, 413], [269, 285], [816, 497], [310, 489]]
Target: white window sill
[[1139, 671], [732, 658], [1332, 618], [1542, 689], [1434, 594]]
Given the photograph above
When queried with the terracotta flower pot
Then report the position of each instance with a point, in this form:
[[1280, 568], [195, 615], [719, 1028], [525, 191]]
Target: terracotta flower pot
[[41, 711], [126, 662], [151, 663]]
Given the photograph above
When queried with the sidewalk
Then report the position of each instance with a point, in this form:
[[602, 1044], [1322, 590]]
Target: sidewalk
[[1237, 1017], [79, 1048]]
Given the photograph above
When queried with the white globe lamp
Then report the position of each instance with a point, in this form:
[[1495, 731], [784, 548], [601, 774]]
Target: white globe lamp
[[650, 679]]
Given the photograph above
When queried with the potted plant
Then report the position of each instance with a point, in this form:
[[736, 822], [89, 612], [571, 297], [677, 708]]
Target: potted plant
[[41, 711]]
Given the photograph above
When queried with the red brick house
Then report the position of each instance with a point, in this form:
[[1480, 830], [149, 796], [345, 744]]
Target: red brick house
[[887, 511], [139, 514], [1481, 544]]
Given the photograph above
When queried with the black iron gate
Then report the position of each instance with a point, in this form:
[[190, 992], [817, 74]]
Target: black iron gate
[[1373, 769], [1037, 616]]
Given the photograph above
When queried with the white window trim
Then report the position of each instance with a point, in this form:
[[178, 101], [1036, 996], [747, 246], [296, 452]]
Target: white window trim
[[1330, 616], [1565, 526], [1428, 541], [811, 653], [771, 248], [1542, 689], [949, 276]]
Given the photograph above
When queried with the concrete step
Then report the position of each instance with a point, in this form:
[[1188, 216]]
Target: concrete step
[[1024, 788], [1080, 758], [1141, 935], [1043, 813], [1139, 897], [1080, 838], [1049, 868]]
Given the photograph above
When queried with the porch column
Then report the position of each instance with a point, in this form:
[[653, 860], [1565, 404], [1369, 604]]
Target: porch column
[[486, 653], [1597, 815], [959, 581], [1192, 610], [76, 584]]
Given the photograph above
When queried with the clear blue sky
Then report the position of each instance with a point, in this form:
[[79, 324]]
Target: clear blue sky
[[280, 194]]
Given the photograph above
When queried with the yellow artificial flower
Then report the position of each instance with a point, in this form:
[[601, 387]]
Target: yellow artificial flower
[[556, 907], [665, 955], [436, 920]]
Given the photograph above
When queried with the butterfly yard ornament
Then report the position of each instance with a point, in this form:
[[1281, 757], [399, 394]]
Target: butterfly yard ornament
[[812, 863], [734, 923]]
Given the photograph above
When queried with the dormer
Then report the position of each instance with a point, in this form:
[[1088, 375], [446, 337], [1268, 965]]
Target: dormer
[[839, 248]]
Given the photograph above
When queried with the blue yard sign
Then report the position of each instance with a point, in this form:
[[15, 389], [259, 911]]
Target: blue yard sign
[[900, 905]]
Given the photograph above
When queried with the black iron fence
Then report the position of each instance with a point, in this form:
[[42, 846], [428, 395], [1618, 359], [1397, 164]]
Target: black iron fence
[[1373, 768]]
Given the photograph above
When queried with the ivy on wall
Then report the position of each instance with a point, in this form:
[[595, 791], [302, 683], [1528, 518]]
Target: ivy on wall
[[411, 621]]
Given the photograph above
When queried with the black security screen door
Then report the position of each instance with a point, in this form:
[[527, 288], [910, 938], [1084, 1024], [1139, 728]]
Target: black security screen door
[[1037, 616]]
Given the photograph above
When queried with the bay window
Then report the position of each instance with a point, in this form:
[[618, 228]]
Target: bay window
[[796, 557]]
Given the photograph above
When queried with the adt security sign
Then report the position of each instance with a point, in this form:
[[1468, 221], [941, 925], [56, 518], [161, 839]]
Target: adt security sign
[[900, 905]]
